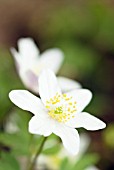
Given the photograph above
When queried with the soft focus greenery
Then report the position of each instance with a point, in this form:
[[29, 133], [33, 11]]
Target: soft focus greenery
[[84, 30]]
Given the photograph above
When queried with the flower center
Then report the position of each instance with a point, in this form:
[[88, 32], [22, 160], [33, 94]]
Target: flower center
[[61, 107], [37, 68], [58, 110]]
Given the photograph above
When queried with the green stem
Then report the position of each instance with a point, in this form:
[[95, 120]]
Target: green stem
[[32, 164], [29, 158]]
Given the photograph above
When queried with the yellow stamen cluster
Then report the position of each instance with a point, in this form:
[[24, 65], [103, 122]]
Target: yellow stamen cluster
[[61, 107]]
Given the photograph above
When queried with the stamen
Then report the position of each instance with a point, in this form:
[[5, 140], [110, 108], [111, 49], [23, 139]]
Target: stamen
[[61, 107]]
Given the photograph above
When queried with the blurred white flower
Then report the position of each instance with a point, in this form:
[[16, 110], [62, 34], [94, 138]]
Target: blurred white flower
[[92, 168], [29, 64], [11, 123], [56, 112]]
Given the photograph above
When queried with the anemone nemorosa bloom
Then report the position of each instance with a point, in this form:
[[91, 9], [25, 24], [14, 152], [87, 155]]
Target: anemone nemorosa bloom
[[56, 112], [29, 64]]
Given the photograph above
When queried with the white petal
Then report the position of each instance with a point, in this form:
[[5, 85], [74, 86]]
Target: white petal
[[86, 121], [82, 98], [52, 59], [67, 84], [69, 137], [84, 143], [28, 49], [27, 101], [41, 126], [22, 64], [30, 80], [16, 56], [48, 85]]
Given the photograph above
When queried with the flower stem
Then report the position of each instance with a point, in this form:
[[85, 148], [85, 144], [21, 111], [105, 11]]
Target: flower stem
[[32, 164]]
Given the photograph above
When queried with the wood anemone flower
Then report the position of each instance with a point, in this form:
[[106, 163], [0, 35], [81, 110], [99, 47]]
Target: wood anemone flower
[[57, 112]]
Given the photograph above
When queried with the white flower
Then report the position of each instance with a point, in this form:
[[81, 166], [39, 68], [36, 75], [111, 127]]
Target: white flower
[[56, 112], [30, 63]]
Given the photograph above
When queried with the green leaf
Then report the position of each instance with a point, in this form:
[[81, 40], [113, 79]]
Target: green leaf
[[85, 161], [15, 142], [8, 162], [52, 150], [65, 164]]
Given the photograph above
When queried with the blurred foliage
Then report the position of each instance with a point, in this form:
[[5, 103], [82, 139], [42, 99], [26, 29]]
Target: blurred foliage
[[82, 163], [82, 60], [85, 161], [8, 161], [52, 150], [15, 140], [8, 81], [109, 136]]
